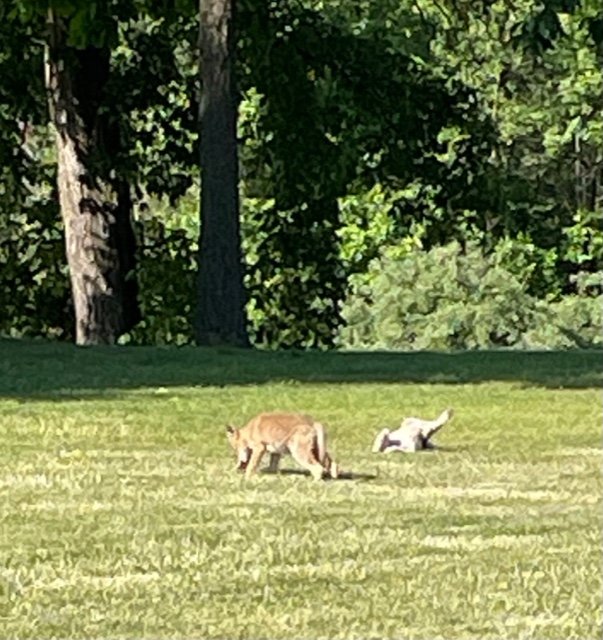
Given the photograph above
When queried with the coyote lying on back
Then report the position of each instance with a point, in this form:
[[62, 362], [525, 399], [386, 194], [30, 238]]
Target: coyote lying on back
[[412, 435], [280, 433]]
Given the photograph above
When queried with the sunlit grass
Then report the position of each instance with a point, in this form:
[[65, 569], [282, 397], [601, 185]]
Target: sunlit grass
[[122, 515]]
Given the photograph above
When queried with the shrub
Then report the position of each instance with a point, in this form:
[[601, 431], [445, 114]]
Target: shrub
[[575, 320], [445, 298], [458, 298]]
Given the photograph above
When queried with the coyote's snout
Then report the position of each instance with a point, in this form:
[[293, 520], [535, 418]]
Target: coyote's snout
[[278, 434], [412, 435]]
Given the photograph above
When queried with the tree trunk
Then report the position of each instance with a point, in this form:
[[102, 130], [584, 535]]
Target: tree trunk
[[96, 212], [221, 297]]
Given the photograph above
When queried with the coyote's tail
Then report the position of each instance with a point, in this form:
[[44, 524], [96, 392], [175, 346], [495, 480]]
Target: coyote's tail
[[328, 464], [321, 442]]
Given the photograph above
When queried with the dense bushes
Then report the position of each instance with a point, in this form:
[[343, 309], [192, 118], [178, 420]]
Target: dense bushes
[[455, 297], [576, 320]]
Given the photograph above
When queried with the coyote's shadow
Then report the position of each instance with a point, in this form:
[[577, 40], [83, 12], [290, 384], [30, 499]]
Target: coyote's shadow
[[434, 448], [343, 475]]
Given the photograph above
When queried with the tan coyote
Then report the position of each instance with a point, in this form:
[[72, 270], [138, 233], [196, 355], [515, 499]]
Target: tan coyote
[[278, 434]]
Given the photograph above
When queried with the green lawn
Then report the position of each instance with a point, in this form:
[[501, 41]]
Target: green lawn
[[122, 515]]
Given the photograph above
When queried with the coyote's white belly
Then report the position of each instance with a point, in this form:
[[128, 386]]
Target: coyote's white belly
[[412, 435]]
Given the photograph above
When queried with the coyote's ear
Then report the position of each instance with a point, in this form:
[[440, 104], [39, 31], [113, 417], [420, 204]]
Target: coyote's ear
[[230, 430]]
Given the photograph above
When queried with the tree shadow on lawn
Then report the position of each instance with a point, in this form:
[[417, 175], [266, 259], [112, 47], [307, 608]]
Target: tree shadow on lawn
[[46, 370]]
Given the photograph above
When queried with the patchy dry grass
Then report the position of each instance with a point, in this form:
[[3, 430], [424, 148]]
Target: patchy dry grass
[[122, 516]]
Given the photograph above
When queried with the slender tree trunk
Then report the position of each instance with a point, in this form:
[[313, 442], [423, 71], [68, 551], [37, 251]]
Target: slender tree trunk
[[221, 297], [99, 238]]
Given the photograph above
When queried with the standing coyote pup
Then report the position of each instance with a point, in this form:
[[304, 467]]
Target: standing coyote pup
[[280, 433]]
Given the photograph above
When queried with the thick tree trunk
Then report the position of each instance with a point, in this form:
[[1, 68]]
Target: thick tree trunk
[[99, 238], [221, 300]]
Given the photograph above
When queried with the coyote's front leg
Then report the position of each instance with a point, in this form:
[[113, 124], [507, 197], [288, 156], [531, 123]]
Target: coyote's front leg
[[254, 461]]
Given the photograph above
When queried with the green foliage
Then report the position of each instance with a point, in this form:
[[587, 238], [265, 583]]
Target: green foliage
[[458, 298], [573, 321], [363, 125], [583, 243], [535, 266], [34, 282], [373, 218], [154, 74], [290, 283], [543, 165], [312, 80], [446, 298], [166, 274], [166, 270], [34, 287]]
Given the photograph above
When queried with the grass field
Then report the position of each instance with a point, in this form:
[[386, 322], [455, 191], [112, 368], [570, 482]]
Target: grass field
[[122, 515]]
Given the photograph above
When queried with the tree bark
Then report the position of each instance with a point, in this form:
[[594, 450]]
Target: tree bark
[[96, 211], [220, 317]]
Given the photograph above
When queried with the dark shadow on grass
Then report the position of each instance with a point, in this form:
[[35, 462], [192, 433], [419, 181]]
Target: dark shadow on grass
[[433, 448], [55, 371], [343, 475]]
